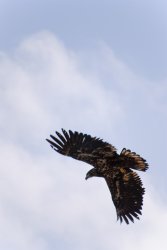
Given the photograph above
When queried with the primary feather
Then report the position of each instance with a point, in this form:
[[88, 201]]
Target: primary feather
[[124, 184]]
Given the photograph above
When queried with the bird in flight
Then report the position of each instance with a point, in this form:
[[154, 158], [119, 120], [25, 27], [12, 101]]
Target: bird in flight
[[117, 169]]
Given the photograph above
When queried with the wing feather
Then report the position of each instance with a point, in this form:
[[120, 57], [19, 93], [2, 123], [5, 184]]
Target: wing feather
[[80, 146], [55, 146], [66, 134], [60, 143], [127, 194], [61, 137]]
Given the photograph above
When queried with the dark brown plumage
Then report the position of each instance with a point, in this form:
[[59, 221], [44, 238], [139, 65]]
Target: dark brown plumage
[[124, 184]]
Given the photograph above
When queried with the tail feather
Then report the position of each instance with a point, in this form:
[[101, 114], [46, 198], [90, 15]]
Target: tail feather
[[133, 160]]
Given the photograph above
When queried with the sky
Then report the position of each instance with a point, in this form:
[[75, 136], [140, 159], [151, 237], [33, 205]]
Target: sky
[[97, 67]]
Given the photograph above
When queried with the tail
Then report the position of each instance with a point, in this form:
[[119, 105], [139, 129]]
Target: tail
[[133, 160]]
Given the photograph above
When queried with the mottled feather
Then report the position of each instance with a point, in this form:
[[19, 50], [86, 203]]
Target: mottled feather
[[81, 146], [124, 184], [127, 193]]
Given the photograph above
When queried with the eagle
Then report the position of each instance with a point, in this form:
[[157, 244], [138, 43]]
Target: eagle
[[125, 185]]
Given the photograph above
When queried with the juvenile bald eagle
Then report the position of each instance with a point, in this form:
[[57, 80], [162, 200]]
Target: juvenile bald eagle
[[124, 184]]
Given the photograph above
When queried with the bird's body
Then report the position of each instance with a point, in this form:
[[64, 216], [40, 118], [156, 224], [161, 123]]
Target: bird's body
[[124, 184]]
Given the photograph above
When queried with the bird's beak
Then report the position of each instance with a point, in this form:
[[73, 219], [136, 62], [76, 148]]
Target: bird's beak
[[86, 177]]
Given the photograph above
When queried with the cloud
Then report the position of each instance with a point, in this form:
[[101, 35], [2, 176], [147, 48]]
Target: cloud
[[42, 78], [45, 201]]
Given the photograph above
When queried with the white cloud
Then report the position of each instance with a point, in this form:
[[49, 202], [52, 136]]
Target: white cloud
[[45, 201], [42, 79]]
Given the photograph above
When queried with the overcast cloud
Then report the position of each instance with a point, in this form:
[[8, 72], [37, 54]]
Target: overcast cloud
[[45, 202]]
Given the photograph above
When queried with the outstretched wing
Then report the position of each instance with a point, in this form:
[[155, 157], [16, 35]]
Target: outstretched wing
[[127, 193], [132, 160], [81, 146]]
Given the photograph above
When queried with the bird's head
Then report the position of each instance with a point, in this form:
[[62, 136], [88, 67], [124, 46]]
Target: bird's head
[[91, 173]]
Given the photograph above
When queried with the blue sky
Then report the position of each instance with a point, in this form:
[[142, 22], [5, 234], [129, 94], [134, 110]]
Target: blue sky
[[136, 30], [96, 67]]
